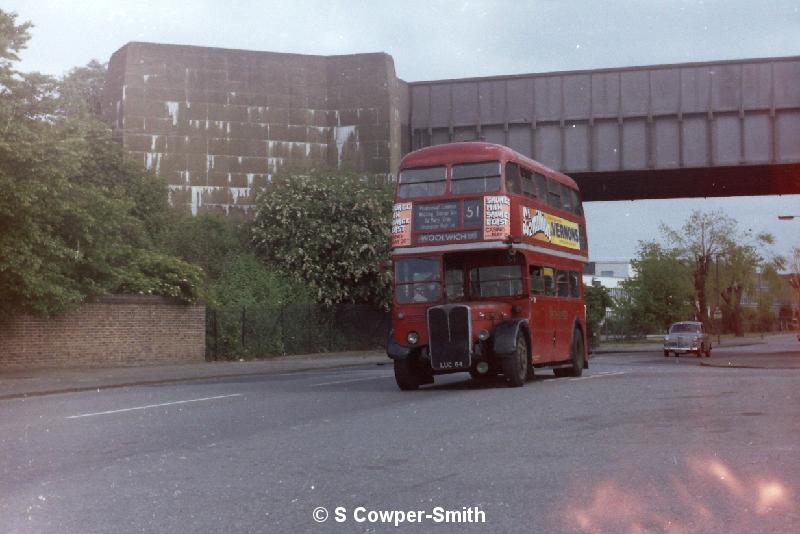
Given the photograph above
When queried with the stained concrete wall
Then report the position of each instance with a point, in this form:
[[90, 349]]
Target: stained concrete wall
[[218, 123]]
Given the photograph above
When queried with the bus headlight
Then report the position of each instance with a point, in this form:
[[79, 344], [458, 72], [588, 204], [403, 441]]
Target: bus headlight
[[412, 338], [483, 335]]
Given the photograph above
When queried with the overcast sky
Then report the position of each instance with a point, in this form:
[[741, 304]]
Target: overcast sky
[[455, 39]]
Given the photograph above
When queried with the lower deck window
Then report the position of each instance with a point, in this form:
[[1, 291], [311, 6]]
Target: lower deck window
[[500, 281], [552, 282], [418, 280]]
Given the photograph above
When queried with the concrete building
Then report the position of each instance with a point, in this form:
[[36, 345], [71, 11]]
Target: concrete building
[[218, 123], [610, 274]]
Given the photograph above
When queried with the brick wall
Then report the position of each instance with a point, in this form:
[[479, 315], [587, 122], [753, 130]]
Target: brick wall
[[123, 330]]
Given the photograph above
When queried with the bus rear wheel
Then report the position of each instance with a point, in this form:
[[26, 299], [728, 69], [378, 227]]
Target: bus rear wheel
[[515, 365], [577, 357], [406, 375]]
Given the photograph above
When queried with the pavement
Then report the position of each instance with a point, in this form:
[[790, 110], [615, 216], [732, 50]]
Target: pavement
[[47, 381], [771, 352]]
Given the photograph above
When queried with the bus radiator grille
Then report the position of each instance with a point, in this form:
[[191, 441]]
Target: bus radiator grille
[[450, 331]]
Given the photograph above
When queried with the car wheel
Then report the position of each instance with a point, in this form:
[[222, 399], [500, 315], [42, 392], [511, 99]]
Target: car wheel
[[515, 365], [699, 352], [666, 354], [406, 375]]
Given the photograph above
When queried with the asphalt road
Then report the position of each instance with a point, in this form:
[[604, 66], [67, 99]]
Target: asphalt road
[[641, 443]]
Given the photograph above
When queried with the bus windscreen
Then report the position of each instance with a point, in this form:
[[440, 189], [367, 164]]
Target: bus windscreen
[[476, 178], [425, 182]]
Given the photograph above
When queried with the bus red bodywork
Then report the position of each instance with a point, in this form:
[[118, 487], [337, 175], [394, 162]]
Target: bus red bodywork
[[488, 249]]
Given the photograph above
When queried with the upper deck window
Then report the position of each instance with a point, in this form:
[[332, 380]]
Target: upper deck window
[[566, 199], [541, 186], [528, 185], [576, 202], [476, 178], [427, 182], [513, 178], [554, 194]]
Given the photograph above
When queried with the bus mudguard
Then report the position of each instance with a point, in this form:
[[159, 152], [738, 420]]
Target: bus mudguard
[[395, 350], [505, 336]]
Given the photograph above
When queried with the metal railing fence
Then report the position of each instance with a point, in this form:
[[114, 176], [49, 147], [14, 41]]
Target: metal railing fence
[[263, 331]]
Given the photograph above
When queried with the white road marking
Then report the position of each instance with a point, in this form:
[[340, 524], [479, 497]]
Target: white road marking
[[347, 381], [599, 375], [153, 406]]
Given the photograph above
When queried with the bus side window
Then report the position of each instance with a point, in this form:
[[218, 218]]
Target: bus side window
[[574, 288], [576, 202], [554, 193], [541, 186], [512, 178], [537, 280], [566, 199], [562, 281], [549, 281], [528, 187]]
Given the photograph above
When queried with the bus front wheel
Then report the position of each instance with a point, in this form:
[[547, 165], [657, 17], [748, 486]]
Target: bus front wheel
[[405, 374], [515, 365]]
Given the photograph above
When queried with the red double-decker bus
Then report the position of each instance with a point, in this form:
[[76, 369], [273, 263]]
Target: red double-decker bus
[[488, 249]]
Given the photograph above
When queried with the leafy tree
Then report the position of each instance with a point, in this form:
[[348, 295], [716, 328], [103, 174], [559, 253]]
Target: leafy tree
[[152, 273], [75, 219], [81, 90], [714, 239], [703, 237], [329, 229], [246, 281], [598, 300], [208, 240], [661, 291], [744, 263]]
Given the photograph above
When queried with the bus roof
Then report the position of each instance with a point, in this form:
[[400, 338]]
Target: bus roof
[[473, 152]]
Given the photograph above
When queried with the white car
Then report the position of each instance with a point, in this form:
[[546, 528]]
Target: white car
[[687, 336]]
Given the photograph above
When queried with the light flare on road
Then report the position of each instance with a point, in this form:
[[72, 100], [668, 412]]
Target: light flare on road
[[629, 504]]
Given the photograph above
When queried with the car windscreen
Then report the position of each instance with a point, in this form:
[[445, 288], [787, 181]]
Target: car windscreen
[[685, 328], [423, 182], [476, 178]]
